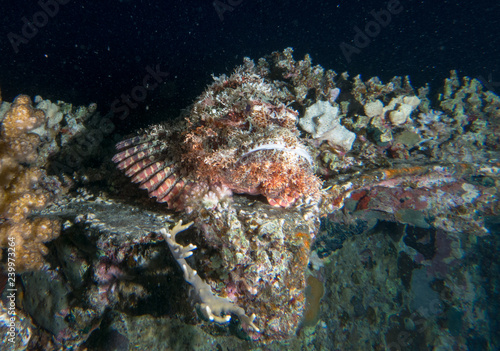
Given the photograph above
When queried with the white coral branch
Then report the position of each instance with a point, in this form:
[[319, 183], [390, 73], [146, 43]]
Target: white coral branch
[[213, 307]]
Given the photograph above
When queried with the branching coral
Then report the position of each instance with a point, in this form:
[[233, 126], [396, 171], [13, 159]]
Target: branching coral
[[213, 307], [22, 187]]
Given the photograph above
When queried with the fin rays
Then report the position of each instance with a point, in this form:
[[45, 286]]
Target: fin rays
[[144, 160]]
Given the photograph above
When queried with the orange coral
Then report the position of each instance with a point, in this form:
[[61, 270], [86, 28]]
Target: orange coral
[[21, 187]]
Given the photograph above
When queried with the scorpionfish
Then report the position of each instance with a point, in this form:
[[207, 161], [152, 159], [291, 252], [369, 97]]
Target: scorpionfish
[[239, 136]]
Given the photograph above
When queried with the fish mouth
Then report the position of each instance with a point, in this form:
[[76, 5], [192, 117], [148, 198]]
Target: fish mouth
[[298, 150], [280, 171]]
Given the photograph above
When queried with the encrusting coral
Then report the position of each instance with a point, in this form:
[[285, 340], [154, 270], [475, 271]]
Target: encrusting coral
[[22, 188]]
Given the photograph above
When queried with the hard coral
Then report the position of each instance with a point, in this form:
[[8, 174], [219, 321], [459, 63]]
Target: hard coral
[[22, 188]]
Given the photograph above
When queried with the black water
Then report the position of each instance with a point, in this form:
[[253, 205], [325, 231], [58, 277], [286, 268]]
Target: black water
[[84, 52]]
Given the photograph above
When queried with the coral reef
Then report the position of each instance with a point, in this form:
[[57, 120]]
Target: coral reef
[[408, 286], [326, 210], [15, 336], [36, 141], [135, 277], [283, 128], [258, 255], [23, 188], [65, 133], [134, 273]]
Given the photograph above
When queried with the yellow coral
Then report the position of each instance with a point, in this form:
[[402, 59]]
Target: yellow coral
[[20, 187], [21, 118]]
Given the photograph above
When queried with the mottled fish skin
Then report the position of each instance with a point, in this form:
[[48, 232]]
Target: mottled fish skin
[[232, 139]]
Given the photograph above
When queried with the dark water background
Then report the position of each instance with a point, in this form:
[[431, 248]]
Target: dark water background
[[95, 51]]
